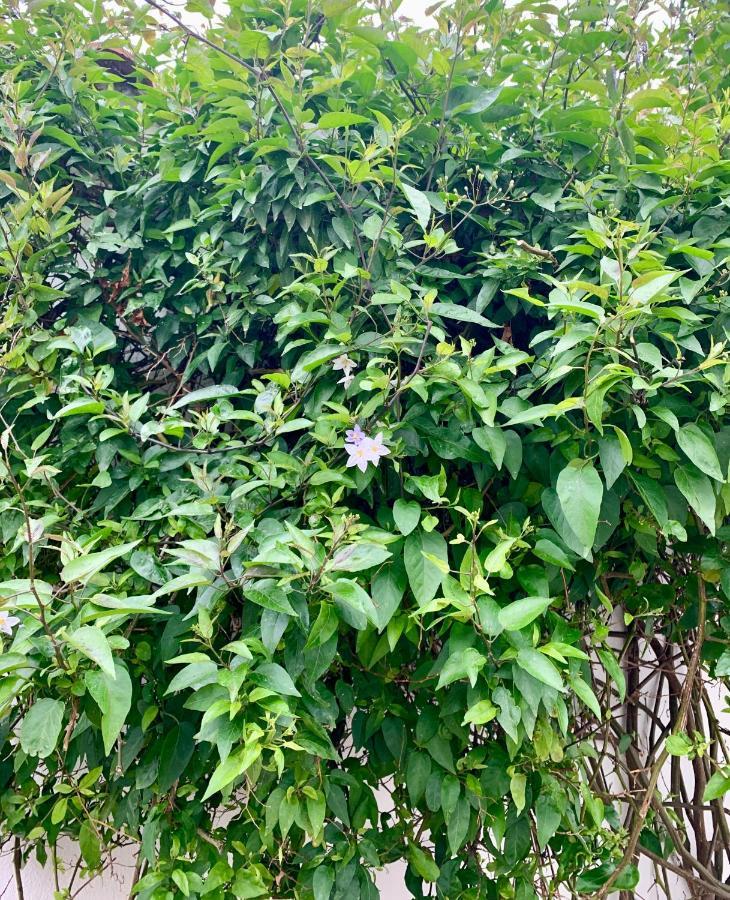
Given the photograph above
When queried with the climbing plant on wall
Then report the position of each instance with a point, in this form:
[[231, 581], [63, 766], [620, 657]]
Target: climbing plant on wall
[[363, 445]]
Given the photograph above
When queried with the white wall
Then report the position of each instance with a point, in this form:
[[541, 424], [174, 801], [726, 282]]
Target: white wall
[[115, 884]]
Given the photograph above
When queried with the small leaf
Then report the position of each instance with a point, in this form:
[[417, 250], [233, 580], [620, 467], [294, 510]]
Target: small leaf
[[276, 679], [406, 514], [418, 771], [457, 827], [89, 845], [82, 568], [271, 597], [92, 642], [540, 667], [212, 392], [113, 696], [679, 745], [580, 492], [226, 772], [358, 557], [461, 314], [585, 693], [517, 788], [340, 120], [423, 863], [697, 490], [423, 576], [700, 450], [462, 664], [324, 878], [716, 787], [647, 286], [81, 406], [520, 613], [615, 671], [41, 727], [419, 203]]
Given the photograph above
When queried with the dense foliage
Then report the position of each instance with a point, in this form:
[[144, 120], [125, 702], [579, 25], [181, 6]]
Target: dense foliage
[[364, 442]]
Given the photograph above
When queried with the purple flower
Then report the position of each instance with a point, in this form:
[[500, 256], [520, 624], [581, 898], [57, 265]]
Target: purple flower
[[367, 450], [355, 435]]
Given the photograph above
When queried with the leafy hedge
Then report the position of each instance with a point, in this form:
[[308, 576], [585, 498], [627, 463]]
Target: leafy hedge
[[363, 422]]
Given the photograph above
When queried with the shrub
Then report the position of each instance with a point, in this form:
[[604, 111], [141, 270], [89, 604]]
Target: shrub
[[363, 428]]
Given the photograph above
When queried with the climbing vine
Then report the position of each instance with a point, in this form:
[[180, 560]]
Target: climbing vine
[[364, 450]]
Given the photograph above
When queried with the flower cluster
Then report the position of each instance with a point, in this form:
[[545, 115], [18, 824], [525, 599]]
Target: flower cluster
[[344, 364], [362, 449]]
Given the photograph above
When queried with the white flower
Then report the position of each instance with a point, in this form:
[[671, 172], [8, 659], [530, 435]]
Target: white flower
[[367, 450], [375, 447], [7, 622], [344, 364], [346, 380]]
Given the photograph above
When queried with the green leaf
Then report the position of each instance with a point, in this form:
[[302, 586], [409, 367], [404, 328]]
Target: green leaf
[[406, 514], [225, 773], [176, 751], [93, 643], [580, 492], [550, 552], [340, 120], [522, 612], [653, 496], [270, 596], [82, 406], [54, 132], [697, 490], [274, 678], [679, 745], [700, 450], [418, 771], [460, 314], [647, 286], [423, 863], [540, 667], [212, 392], [612, 667], [517, 787], [613, 460], [359, 557], [316, 810], [113, 696], [249, 883], [419, 203], [312, 360], [89, 845], [387, 589], [41, 727], [356, 599], [493, 441], [195, 675], [322, 882], [590, 881], [585, 693], [457, 827], [85, 567], [482, 712], [716, 787], [549, 814], [462, 664], [424, 576]]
